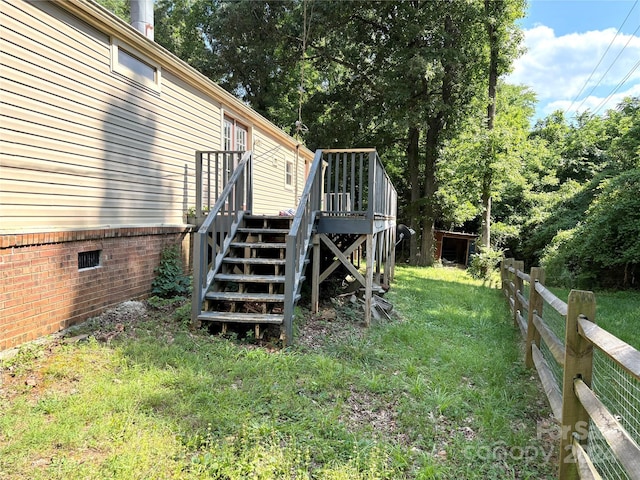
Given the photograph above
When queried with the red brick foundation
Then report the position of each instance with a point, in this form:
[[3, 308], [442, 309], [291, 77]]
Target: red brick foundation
[[42, 291]]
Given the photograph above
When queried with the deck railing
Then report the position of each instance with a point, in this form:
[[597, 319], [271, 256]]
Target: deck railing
[[356, 184], [213, 172], [213, 237], [341, 183]]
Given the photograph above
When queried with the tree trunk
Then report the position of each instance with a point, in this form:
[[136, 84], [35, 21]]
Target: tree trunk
[[428, 241], [435, 126], [491, 114], [430, 188], [485, 234], [414, 194]]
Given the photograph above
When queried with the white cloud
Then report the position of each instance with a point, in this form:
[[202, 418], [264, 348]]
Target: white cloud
[[592, 103], [556, 68]]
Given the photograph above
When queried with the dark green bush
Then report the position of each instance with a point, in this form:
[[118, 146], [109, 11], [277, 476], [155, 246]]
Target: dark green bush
[[170, 279], [603, 250], [484, 262]]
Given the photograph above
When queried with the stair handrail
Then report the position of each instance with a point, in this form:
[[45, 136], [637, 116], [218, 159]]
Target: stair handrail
[[299, 240], [221, 223]]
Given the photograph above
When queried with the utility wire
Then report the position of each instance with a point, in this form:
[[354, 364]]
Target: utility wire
[[610, 66], [622, 82], [301, 128], [601, 59]]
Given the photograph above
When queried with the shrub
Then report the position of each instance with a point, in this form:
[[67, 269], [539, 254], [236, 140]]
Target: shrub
[[559, 264], [484, 262], [603, 250], [170, 279]]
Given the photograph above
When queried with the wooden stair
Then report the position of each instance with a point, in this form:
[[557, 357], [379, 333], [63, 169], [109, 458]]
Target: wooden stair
[[249, 286]]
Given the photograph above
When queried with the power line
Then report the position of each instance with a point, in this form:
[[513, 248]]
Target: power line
[[610, 66], [622, 82], [602, 58]]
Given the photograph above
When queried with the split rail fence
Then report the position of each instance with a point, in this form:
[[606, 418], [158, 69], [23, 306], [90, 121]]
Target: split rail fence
[[591, 377]]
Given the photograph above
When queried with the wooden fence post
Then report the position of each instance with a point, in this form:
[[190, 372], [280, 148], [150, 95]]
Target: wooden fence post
[[578, 363], [504, 274], [517, 287], [535, 306]]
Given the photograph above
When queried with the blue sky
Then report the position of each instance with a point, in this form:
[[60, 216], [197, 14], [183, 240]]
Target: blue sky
[[578, 58]]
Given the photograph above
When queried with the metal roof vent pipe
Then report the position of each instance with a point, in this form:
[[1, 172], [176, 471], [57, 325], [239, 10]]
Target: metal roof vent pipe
[[142, 17]]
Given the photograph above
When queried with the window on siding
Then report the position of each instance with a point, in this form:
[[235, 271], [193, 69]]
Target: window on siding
[[137, 66], [235, 135], [288, 173], [134, 66]]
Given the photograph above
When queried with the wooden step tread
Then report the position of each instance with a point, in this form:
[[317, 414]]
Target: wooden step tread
[[275, 231], [269, 217], [233, 317], [245, 297], [255, 261], [257, 245], [231, 277]]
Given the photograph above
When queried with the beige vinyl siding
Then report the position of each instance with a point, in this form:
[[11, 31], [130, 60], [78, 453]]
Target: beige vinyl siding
[[82, 146], [271, 193]]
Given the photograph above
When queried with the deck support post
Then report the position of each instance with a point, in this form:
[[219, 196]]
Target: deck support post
[[368, 289], [315, 281]]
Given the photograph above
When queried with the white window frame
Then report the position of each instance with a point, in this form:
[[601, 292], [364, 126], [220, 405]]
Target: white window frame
[[235, 134], [289, 174], [120, 68]]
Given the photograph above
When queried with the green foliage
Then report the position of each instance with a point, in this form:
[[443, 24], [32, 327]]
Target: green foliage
[[122, 8], [170, 279], [355, 73], [556, 212], [484, 262], [623, 125], [182, 314], [585, 150], [26, 356], [558, 262], [603, 249], [502, 233], [611, 230]]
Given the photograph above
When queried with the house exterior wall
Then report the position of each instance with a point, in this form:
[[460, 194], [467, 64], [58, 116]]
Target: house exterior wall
[[91, 154], [271, 194], [43, 290]]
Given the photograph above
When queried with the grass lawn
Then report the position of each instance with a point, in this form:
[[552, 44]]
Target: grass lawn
[[438, 392], [617, 312]]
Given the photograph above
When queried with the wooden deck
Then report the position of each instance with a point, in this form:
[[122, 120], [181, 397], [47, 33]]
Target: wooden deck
[[348, 206]]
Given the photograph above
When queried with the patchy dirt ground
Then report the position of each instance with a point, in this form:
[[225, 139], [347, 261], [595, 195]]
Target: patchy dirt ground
[[28, 369], [331, 324]]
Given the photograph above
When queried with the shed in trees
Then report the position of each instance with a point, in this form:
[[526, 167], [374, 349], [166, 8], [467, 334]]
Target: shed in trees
[[454, 247]]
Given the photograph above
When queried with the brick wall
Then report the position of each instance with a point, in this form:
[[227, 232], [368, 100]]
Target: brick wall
[[43, 291]]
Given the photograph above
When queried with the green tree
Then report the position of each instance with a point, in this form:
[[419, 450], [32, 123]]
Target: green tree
[[397, 75], [178, 29], [585, 149], [582, 225], [119, 7], [502, 154], [622, 126], [500, 17], [603, 249]]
